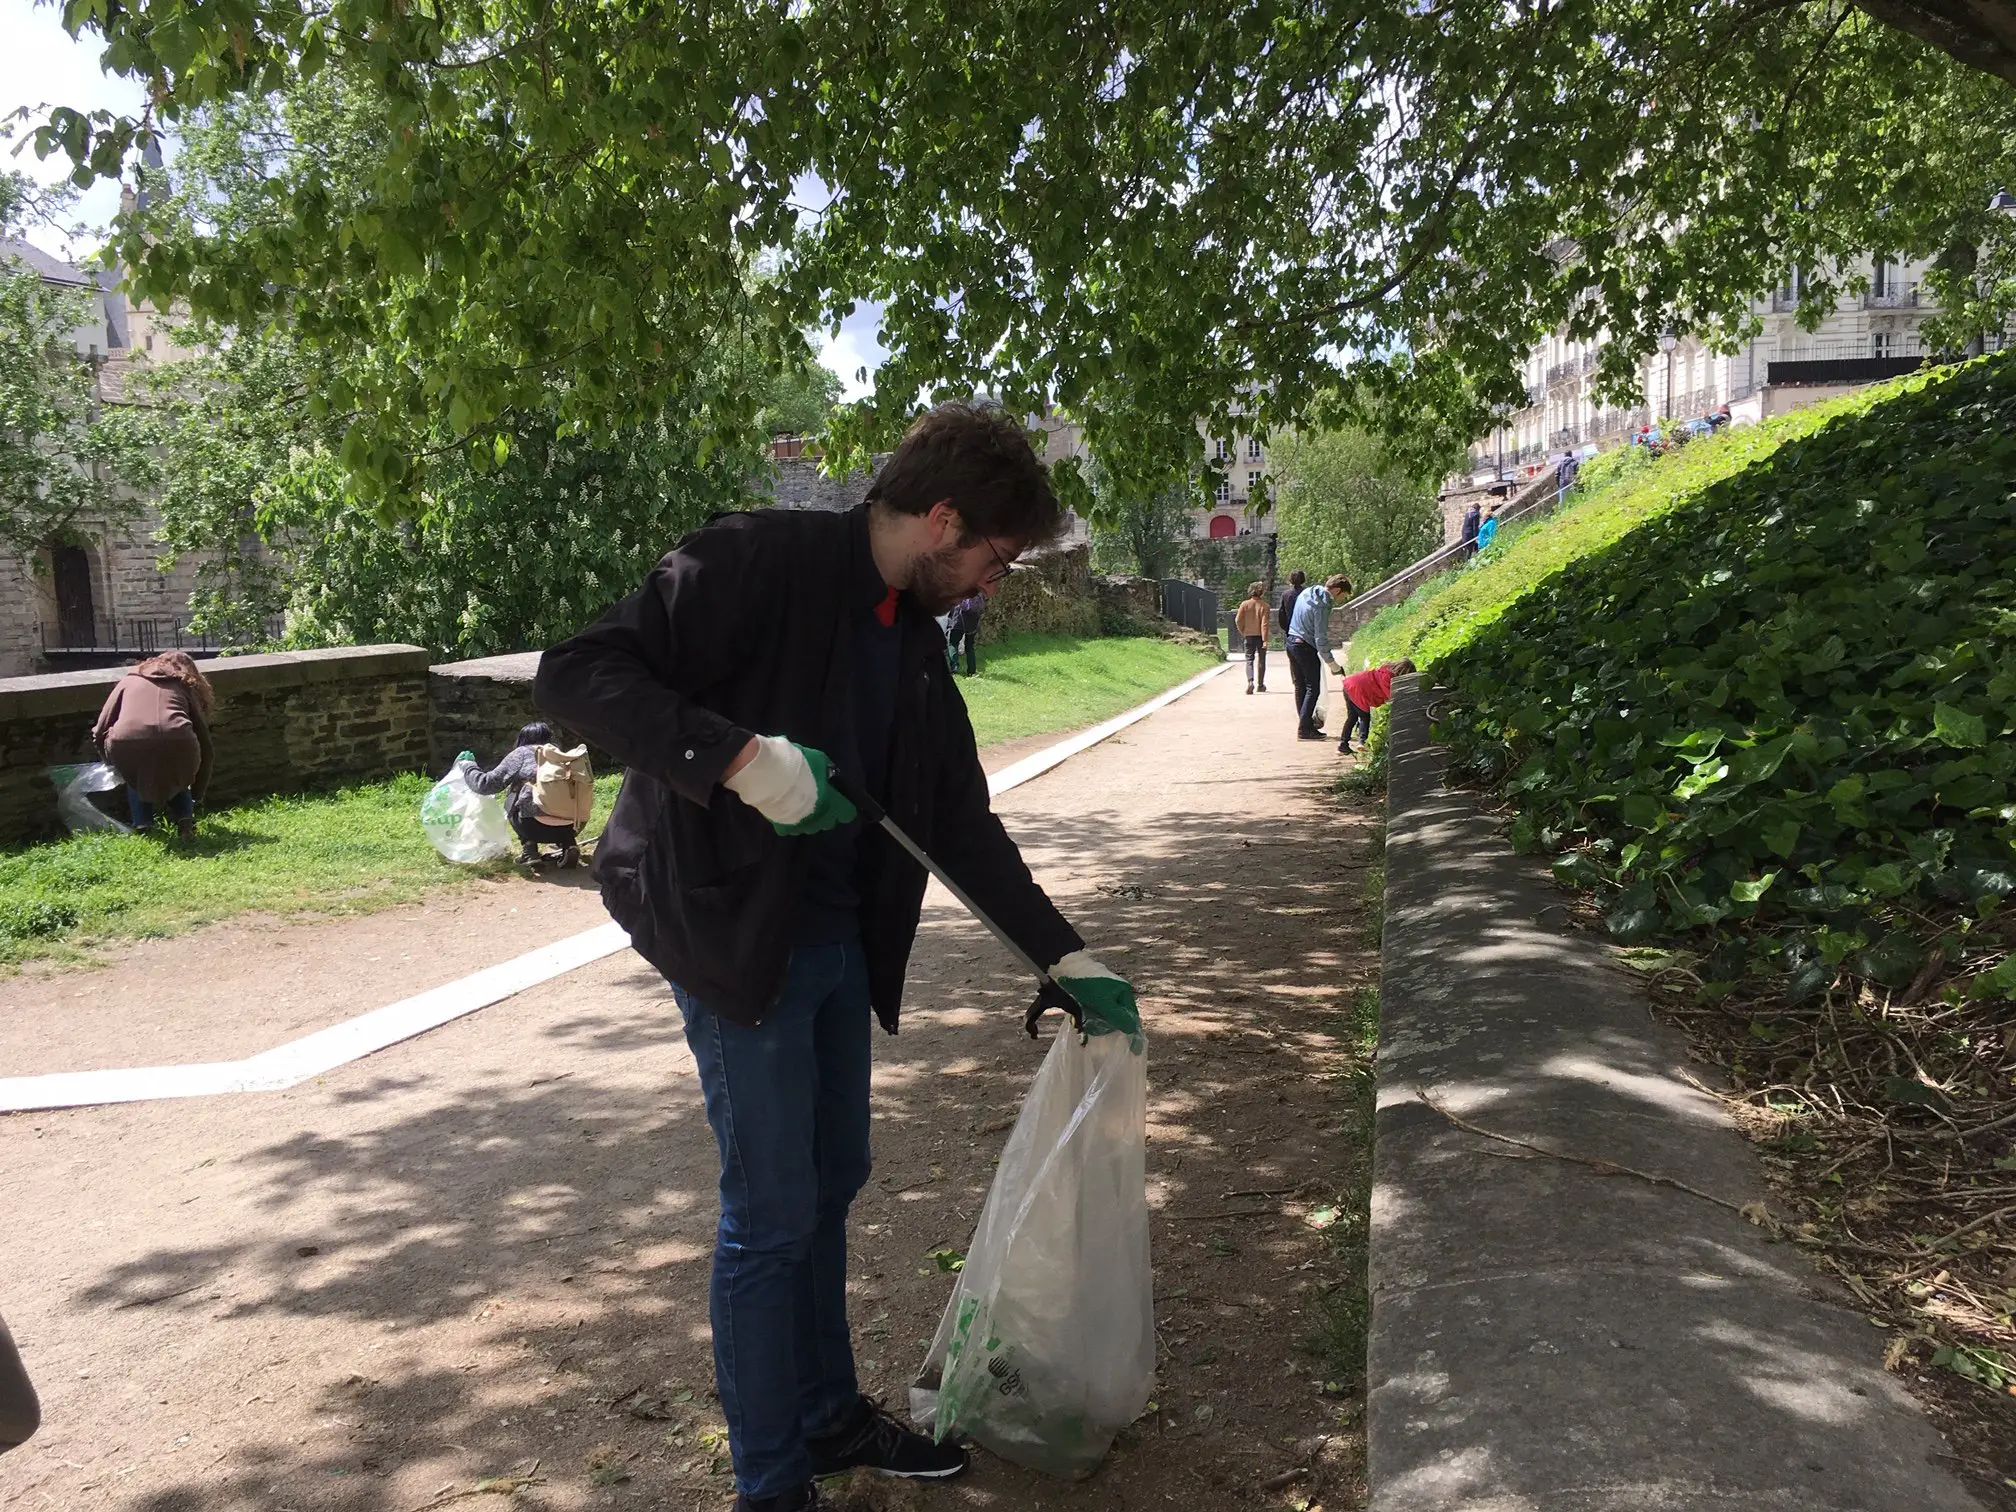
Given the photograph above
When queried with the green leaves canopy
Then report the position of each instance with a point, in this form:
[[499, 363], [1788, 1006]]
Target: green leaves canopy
[[1148, 214], [65, 458], [1345, 503]]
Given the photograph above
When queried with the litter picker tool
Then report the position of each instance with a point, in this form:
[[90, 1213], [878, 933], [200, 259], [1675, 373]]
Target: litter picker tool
[[1048, 993]]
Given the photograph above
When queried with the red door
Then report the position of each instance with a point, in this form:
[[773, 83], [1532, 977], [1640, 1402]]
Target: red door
[[1223, 526]]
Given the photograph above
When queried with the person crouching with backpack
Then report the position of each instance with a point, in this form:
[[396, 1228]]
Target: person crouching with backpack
[[552, 793]]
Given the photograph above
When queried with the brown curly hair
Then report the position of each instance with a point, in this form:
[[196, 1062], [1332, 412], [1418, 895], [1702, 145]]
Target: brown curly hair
[[180, 666]]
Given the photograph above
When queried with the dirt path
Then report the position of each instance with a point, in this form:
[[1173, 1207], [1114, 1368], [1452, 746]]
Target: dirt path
[[488, 1247]]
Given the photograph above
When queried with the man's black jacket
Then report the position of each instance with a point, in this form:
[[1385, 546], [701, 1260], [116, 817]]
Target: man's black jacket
[[744, 629], [1286, 612]]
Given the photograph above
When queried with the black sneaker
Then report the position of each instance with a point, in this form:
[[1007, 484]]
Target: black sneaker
[[1310, 735], [570, 856], [876, 1441], [804, 1499]]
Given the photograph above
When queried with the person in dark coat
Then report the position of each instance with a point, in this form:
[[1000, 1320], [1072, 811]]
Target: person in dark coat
[[514, 775], [154, 731], [1472, 519], [783, 922], [1285, 616], [964, 630]]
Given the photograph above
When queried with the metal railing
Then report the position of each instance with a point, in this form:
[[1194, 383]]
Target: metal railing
[[1895, 297], [1541, 496], [138, 637], [1189, 604]]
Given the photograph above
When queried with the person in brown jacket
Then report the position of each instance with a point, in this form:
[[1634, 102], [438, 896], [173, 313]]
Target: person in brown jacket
[[154, 731], [1251, 622]]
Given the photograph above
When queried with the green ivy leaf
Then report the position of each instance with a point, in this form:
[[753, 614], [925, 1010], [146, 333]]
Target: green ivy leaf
[[1956, 727]]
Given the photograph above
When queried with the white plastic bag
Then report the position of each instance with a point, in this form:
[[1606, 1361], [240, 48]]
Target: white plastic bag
[[74, 785], [1322, 714], [1047, 1348], [463, 824]]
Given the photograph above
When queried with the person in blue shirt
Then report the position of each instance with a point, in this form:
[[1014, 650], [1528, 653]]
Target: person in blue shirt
[[1488, 531], [1309, 649]]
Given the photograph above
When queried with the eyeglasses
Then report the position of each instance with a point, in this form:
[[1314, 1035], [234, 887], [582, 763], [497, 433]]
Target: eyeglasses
[[1002, 567]]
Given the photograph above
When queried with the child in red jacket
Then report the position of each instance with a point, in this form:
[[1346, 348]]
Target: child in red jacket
[[1364, 692]]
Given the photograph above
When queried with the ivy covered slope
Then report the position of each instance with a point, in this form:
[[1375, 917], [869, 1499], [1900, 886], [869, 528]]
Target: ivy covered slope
[[1780, 709]]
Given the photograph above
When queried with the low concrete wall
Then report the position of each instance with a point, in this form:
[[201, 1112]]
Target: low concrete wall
[[283, 723], [479, 705], [1551, 1327]]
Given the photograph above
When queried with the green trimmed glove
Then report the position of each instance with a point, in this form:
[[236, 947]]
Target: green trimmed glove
[[1107, 1000], [830, 808], [786, 783]]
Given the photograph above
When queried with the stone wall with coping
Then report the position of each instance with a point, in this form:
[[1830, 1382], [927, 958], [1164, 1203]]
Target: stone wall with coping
[[285, 723]]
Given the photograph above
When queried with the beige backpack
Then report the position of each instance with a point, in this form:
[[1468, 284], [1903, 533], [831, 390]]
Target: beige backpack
[[563, 785]]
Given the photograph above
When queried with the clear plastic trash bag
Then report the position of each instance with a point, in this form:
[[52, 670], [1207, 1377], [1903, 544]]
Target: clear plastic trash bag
[[1047, 1348], [1322, 714], [74, 786], [463, 824]]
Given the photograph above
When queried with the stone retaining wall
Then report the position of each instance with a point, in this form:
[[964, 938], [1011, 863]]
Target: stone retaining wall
[[283, 723]]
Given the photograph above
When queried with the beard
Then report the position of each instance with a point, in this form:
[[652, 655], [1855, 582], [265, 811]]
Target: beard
[[937, 580]]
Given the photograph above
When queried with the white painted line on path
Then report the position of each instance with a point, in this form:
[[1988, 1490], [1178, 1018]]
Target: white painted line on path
[[296, 1061], [311, 1055]]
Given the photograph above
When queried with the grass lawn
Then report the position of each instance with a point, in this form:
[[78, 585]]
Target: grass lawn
[[1033, 684], [361, 848], [348, 851]]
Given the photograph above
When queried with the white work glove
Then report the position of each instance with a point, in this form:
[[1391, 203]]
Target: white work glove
[[777, 781], [1331, 663]]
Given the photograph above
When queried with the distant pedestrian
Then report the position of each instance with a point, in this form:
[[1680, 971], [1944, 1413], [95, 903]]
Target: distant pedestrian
[[1472, 515], [546, 803], [966, 631], [1488, 531], [1309, 651], [1284, 616], [1364, 692], [155, 733], [1251, 622]]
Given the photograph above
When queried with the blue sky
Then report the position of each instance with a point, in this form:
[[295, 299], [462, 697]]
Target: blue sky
[[40, 65]]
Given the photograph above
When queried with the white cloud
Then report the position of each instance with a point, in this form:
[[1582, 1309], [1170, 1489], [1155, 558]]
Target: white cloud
[[855, 348], [41, 66]]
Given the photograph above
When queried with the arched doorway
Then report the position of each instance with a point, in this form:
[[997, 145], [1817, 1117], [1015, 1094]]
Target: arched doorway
[[1223, 526]]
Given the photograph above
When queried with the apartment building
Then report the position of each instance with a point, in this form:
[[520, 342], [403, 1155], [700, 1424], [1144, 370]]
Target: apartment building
[[1868, 337]]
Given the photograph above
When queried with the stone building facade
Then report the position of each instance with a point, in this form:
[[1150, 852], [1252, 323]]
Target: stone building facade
[[1866, 338]]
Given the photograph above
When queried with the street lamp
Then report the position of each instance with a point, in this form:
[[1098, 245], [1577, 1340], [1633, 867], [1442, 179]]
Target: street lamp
[[1668, 341]]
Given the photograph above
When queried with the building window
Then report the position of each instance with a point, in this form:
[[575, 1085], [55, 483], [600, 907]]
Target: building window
[[1253, 448], [1252, 482], [1224, 490], [1218, 453], [1879, 342]]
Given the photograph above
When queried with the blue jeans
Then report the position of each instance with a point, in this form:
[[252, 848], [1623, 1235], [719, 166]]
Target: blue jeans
[[788, 1103], [181, 806]]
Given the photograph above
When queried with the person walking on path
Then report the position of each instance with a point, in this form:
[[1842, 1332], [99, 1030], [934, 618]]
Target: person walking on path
[[1285, 616], [966, 630], [780, 921], [1488, 531], [1309, 651], [518, 773], [1364, 692], [1472, 515], [1251, 622], [154, 732]]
